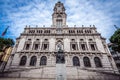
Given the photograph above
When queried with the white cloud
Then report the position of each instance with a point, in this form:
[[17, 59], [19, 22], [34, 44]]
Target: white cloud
[[80, 12]]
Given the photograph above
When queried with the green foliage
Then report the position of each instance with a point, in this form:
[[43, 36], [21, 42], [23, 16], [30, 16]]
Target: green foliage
[[5, 42], [115, 39]]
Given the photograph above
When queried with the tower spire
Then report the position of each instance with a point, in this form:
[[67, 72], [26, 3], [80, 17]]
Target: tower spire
[[59, 15]]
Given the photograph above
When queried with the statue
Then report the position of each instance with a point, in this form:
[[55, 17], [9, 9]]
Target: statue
[[60, 55]]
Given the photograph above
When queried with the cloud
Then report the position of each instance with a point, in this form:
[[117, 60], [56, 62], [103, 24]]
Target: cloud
[[17, 14]]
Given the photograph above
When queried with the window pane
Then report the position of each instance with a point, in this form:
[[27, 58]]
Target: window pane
[[23, 60], [36, 46], [45, 46], [33, 61], [43, 60], [86, 61], [27, 46], [76, 61], [97, 62], [73, 46], [92, 47], [83, 46]]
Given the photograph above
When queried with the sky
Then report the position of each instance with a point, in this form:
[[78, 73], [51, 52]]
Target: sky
[[104, 14]]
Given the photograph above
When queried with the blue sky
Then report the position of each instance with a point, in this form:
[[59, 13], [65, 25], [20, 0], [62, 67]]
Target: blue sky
[[19, 13]]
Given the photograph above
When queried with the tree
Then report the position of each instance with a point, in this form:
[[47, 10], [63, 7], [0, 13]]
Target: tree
[[5, 42], [115, 39]]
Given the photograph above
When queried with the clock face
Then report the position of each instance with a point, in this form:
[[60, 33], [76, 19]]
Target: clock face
[[59, 8]]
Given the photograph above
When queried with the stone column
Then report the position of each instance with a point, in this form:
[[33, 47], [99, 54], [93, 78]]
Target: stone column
[[38, 61], [28, 62], [49, 61], [67, 60], [81, 62], [31, 45], [78, 46], [92, 62], [41, 43]]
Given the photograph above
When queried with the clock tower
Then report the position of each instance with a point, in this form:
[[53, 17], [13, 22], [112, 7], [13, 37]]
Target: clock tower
[[59, 15]]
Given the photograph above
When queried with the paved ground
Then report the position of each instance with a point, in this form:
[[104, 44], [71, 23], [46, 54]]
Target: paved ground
[[22, 79], [15, 79]]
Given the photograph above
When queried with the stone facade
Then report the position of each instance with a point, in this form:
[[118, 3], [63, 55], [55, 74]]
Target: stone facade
[[115, 55], [84, 49]]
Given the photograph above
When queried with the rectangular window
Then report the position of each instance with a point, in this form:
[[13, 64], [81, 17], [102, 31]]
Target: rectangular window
[[92, 47], [83, 47], [45, 46], [27, 46], [74, 46], [59, 23], [36, 47]]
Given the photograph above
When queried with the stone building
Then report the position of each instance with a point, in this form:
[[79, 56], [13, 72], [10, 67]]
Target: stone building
[[61, 52], [115, 55], [4, 56]]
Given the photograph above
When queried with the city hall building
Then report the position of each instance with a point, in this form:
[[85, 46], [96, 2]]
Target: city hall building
[[61, 52]]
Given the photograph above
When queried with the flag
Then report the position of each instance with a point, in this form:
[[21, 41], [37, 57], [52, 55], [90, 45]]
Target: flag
[[116, 27], [5, 31]]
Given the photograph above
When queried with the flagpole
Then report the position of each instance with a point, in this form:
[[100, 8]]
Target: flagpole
[[4, 32], [116, 27]]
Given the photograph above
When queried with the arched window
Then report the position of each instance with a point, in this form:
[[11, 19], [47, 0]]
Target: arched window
[[33, 61], [97, 62], [86, 61], [43, 60], [59, 45], [23, 61], [76, 61]]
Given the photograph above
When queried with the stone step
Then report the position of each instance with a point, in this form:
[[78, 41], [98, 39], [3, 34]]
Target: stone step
[[72, 73]]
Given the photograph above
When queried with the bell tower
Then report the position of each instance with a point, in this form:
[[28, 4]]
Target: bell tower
[[59, 15]]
